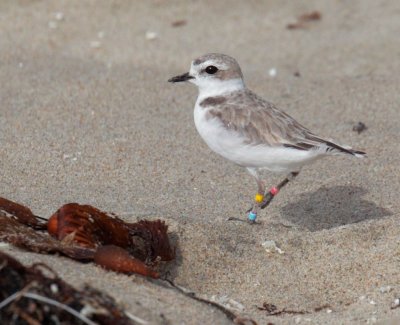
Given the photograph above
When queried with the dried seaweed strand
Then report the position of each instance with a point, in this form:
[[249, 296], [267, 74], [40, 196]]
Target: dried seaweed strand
[[46, 300], [15, 295], [24, 315], [83, 232], [231, 316]]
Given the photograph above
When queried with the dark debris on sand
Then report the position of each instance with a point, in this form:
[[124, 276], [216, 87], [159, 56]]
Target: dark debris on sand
[[36, 295]]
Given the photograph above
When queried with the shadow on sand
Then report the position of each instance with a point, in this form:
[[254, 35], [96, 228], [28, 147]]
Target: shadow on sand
[[332, 207]]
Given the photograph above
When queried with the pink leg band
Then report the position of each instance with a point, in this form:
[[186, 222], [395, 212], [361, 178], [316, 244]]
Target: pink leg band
[[274, 191]]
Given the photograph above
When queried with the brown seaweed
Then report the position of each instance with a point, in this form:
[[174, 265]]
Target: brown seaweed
[[83, 232]]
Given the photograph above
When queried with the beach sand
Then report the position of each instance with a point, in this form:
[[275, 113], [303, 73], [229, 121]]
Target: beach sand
[[87, 116]]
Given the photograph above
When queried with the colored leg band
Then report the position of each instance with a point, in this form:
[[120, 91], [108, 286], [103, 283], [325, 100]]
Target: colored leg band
[[259, 198], [274, 191], [252, 216]]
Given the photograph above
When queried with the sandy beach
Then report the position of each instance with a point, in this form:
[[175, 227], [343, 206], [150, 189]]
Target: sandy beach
[[87, 116]]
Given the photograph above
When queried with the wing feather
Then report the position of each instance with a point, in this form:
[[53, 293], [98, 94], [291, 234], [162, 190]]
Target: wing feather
[[261, 123]]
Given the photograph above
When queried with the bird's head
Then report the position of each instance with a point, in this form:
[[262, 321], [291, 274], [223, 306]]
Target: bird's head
[[213, 72]]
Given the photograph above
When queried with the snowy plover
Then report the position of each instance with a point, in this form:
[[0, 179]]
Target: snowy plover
[[250, 131]]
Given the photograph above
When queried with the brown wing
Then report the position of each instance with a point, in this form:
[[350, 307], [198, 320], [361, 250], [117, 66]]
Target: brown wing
[[260, 122]]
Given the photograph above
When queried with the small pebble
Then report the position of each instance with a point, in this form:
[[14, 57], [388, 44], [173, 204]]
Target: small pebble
[[100, 34], [70, 157], [272, 72], [359, 127], [235, 305], [178, 23], [328, 311], [59, 16], [372, 302], [54, 288], [385, 289], [228, 302], [396, 303], [271, 247], [151, 35]]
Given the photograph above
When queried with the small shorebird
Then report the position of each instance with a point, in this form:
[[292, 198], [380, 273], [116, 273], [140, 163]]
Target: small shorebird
[[250, 131]]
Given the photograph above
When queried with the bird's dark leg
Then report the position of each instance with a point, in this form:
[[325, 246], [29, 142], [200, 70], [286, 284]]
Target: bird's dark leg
[[269, 196], [261, 201], [258, 199]]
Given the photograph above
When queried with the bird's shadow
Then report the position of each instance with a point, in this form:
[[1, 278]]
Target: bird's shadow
[[332, 207]]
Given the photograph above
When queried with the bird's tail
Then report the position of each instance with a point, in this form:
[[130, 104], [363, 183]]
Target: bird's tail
[[335, 148], [358, 153]]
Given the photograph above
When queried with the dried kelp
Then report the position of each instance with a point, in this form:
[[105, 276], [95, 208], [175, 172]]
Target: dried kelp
[[83, 232], [20, 235], [29, 296], [21, 213], [90, 227], [118, 259]]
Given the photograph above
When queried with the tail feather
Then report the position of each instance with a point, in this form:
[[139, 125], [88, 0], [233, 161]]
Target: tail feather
[[358, 153], [333, 146]]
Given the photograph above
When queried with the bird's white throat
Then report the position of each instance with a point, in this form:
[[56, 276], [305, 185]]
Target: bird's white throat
[[209, 87]]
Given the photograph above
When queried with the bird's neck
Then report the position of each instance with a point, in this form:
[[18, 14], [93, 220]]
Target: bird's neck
[[213, 88]]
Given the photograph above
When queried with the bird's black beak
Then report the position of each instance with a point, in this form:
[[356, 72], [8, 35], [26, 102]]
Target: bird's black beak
[[183, 77]]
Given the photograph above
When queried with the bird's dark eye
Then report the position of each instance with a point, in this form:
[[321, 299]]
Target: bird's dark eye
[[211, 69]]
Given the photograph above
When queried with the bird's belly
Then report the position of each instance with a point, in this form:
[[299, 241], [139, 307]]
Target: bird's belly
[[233, 146]]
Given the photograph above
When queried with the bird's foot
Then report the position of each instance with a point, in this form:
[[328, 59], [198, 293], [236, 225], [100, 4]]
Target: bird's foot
[[252, 216], [260, 202], [248, 221]]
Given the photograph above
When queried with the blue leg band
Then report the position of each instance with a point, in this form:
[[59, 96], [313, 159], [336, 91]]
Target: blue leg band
[[252, 216]]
